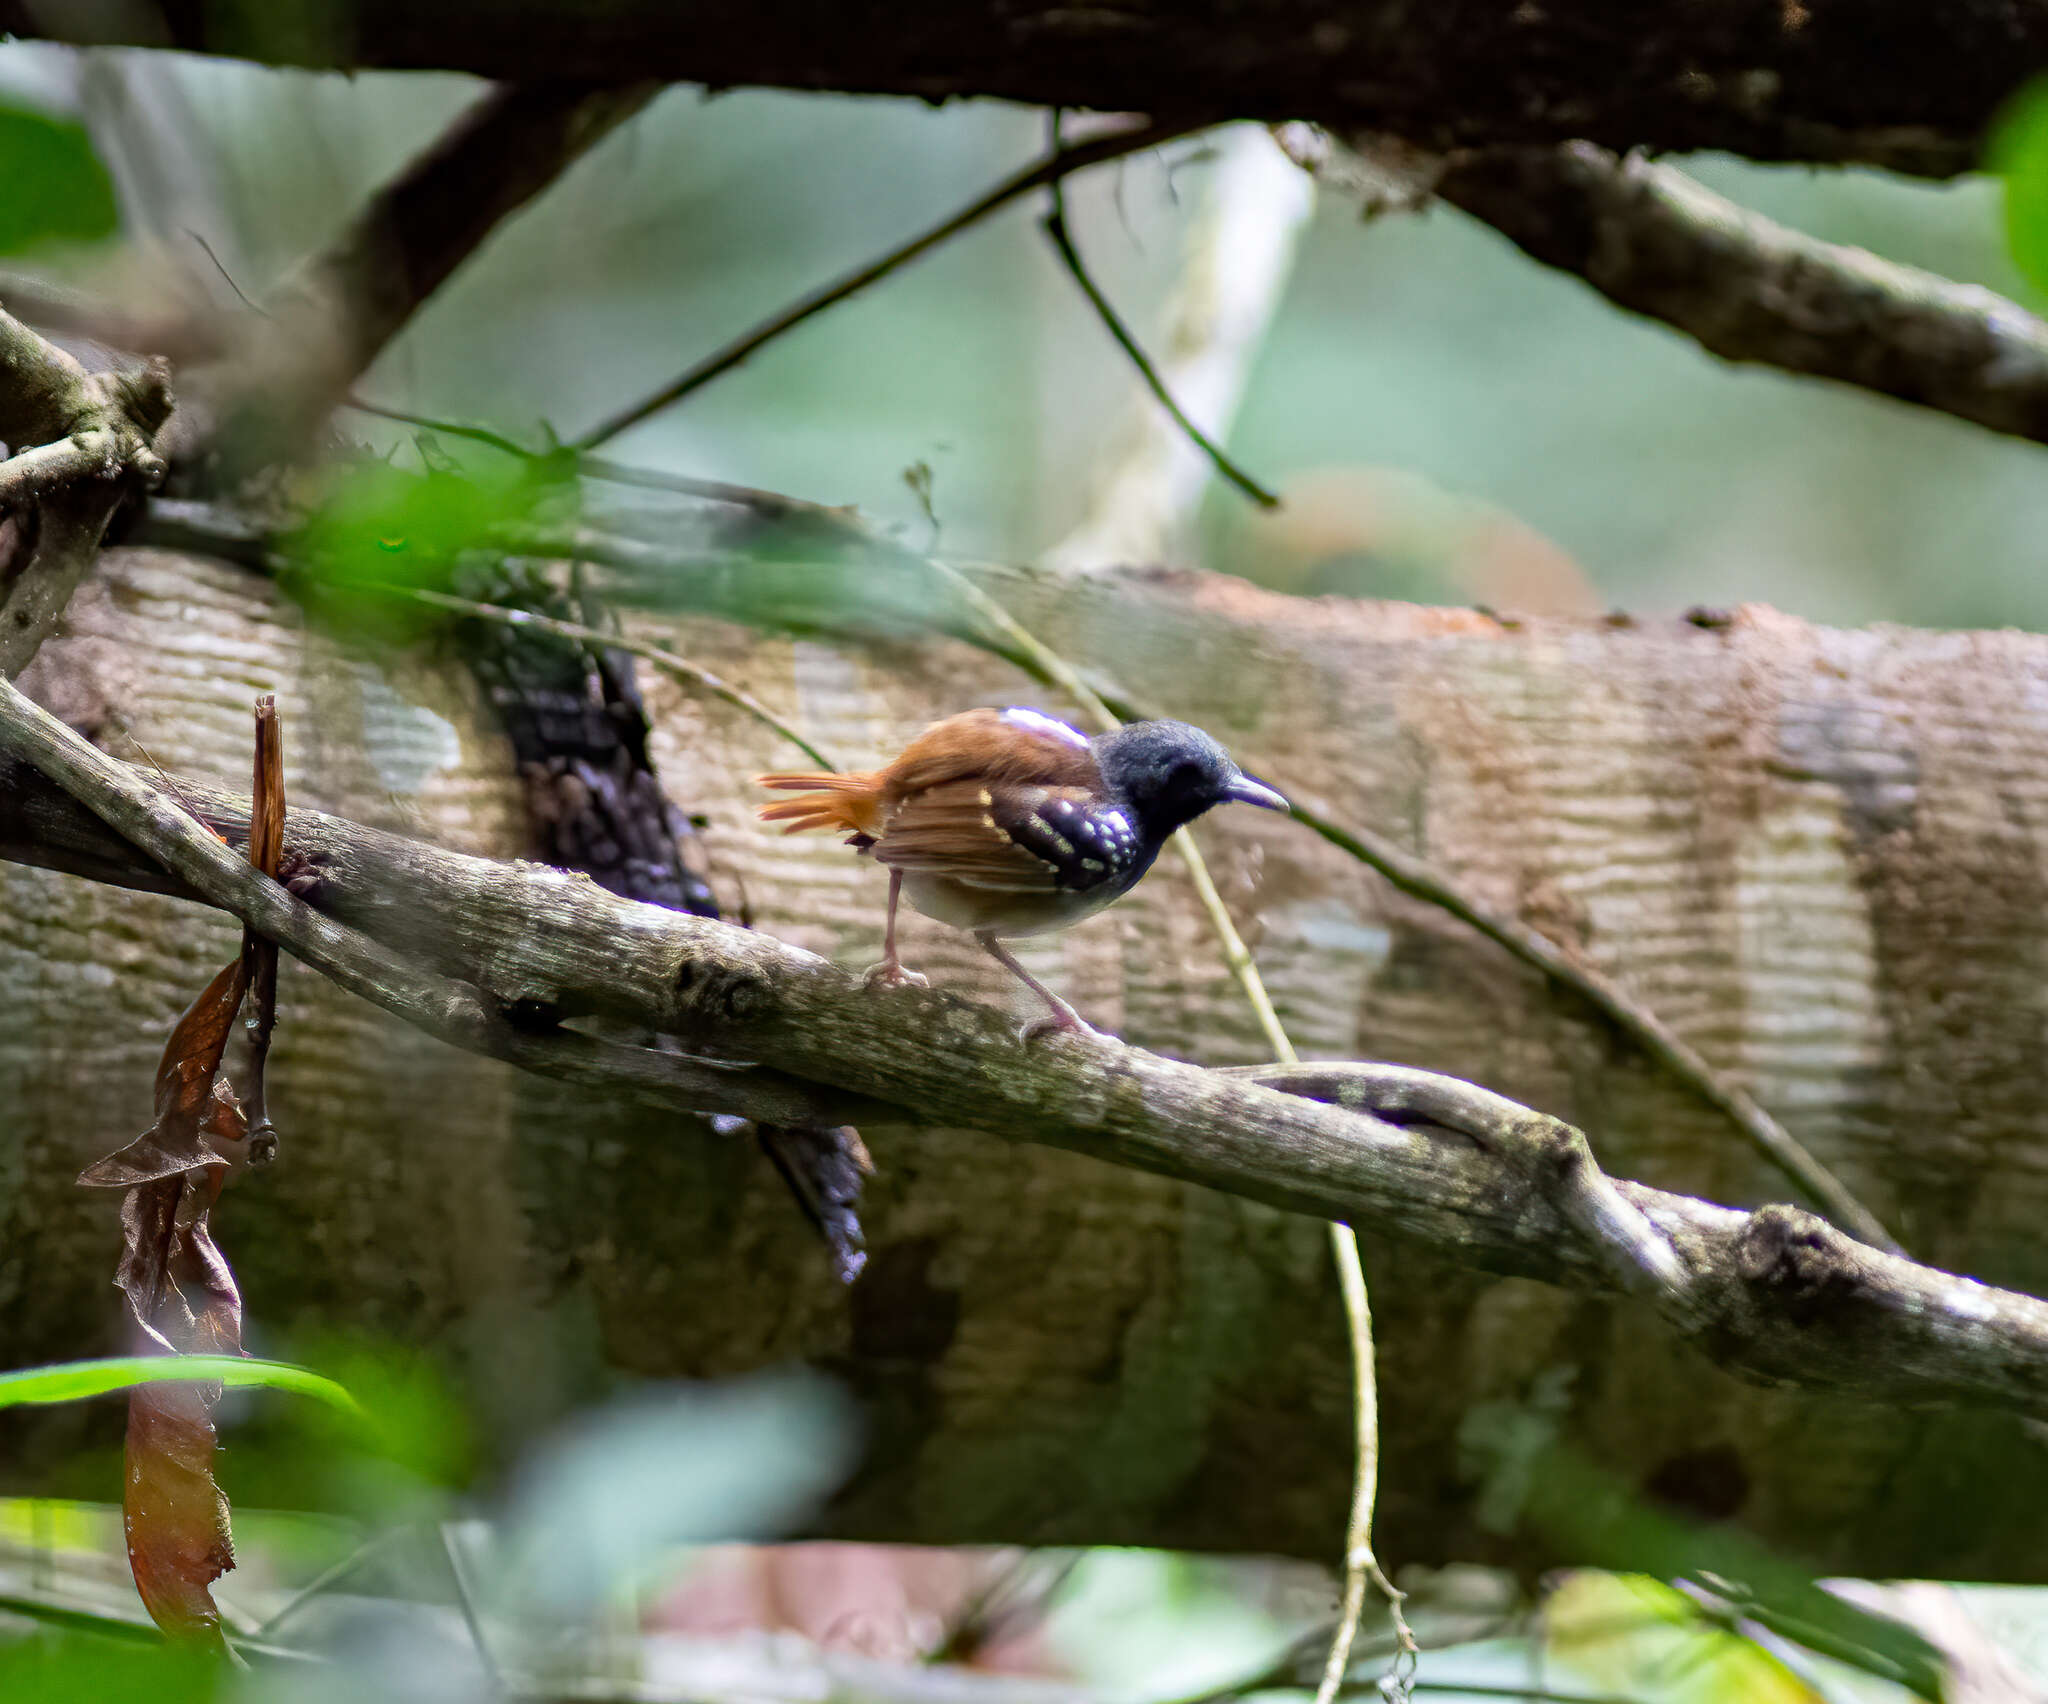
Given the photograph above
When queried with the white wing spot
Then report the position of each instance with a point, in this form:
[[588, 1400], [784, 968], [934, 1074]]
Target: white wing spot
[[987, 798], [1091, 863], [1046, 727]]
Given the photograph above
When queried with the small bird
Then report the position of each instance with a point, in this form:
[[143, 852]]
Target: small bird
[[1009, 822]]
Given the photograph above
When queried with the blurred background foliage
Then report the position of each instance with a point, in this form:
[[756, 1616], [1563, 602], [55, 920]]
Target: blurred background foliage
[[1423, 383]]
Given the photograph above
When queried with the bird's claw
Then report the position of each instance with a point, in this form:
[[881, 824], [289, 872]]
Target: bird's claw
[[890, 974], [1058, 1023]]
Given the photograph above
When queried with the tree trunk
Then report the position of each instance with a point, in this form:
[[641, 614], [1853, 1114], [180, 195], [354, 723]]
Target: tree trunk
[[1822, 856]]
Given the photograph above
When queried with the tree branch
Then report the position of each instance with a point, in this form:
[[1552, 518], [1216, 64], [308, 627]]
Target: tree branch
[[1747, 289], [1775, 1294], [81, 440], [446, 1006], [1909, 84], [323, 326]]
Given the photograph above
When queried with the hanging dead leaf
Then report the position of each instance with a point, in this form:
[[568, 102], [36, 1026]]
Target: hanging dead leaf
[[182, 1298], [185, 1096], [181, 1292]]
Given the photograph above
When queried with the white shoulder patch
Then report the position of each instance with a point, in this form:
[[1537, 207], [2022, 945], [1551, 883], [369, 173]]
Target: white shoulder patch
[[1047, 727]]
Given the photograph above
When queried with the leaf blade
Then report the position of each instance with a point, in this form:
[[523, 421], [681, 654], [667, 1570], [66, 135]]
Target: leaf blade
[[76, 1381]]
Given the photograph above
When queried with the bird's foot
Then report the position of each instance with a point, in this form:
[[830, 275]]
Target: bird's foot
[[891, 974], [1064, 1020]]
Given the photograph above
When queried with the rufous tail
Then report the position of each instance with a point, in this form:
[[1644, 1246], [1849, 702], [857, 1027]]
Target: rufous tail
[[845, 802]]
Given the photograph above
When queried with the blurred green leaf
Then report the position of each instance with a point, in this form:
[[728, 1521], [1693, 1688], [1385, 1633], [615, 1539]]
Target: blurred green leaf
[[2018, 153], [672, 1466], [387, 525], [57, 190], [72, 1381], [418, 1445], [1532, 1478], [85, 1669]]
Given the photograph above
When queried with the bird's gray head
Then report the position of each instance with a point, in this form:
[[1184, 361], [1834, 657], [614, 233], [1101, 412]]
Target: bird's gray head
[[1168, 773]]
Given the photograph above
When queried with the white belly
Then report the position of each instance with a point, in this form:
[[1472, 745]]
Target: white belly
[[991, 911]]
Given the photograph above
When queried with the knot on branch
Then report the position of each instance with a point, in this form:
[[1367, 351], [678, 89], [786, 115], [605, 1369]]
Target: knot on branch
[[1798, 1265], [144, 395], [710, 993]]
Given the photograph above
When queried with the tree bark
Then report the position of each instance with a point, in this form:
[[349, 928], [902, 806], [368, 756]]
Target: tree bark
[[1902, 83], [1820, 855]]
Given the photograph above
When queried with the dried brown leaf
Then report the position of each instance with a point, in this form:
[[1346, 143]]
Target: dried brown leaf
[[175, 1516], [185, 1096], [181, 1292], [183, 1299]]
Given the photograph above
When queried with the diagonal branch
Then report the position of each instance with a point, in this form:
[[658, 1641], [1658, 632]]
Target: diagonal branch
[[1748, 289], [1062, 240], [323, 326], [1056, 166], [447, 1006], [1774, 1294]]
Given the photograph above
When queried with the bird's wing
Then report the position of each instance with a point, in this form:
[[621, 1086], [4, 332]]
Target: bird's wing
[[1016, 747], [952, 830]]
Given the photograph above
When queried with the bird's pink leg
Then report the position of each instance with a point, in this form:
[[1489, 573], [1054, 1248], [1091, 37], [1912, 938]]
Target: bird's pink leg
[[1064, 1017], [890, 972]]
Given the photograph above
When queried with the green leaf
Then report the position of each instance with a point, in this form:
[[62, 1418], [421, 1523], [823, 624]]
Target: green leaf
[[2018, 153], [72, 1381], [56, 190]]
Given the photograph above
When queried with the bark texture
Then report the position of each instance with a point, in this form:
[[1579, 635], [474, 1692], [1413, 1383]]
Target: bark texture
[[1820, 855], [1905, 83]]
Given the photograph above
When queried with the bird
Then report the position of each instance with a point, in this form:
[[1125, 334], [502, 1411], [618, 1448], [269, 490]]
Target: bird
[[1007, 822]]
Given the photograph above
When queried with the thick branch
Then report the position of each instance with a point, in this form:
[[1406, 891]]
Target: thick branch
[[1775, 1294], [445, 1006], [1902, 83], [1748, 289]]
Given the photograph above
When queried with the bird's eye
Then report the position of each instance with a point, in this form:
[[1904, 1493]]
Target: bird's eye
[[1184, 777]]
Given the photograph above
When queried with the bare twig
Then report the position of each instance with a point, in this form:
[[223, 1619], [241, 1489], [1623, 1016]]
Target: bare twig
[[1652, 240], [1775, 1293], [259, 952], [770, 505], [446, 428], [668, 662], [1070, 257], [1235, 256], [1059, 164]]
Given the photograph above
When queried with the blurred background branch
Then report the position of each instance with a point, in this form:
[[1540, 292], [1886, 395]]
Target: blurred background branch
[[1748, 289]]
